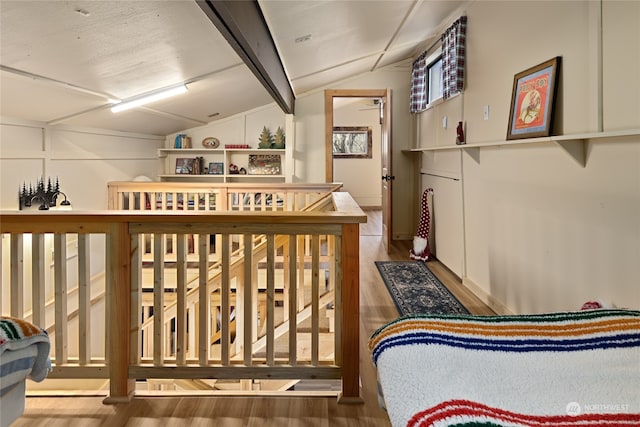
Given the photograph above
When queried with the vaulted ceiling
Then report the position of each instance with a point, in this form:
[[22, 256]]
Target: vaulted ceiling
[[61, 62]]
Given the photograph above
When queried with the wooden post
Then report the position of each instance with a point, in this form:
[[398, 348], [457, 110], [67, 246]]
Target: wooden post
[[37, 279], [84, 298], [60, 297], [17, 275], [350, 315], [121, 387]]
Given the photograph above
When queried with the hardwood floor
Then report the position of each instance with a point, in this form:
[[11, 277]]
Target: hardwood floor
[[376, 309]]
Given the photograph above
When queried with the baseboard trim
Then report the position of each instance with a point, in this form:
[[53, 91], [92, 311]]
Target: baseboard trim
[[493, 303]]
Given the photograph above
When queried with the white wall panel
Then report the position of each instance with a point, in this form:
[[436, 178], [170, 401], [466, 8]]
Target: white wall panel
[[21, 140], [76, 144], [13, 173], [85, 181], [83, 161], [447, 221], [621, 64], [542, 233]]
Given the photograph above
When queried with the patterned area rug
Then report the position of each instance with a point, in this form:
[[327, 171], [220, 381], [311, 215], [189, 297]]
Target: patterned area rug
[[416, 290]]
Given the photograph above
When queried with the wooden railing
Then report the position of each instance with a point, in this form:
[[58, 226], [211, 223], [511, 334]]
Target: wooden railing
[[233, 312], [190, 196]]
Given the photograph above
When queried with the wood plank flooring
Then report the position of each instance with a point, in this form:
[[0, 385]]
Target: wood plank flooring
[[376, 309]]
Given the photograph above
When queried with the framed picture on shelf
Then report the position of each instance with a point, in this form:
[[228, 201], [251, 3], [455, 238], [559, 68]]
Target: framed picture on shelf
[[532, 101], [184, 166], [264, 164], [216, 168], [352, 142]]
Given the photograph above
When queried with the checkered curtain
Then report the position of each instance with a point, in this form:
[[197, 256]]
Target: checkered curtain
[[453, 56], [418, 99]]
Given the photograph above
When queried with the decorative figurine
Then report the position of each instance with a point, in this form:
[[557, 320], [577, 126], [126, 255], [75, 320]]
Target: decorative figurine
[[460, 134], [46, 196]]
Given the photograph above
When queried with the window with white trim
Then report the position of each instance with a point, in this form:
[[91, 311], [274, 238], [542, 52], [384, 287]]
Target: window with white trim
[[434, 77]]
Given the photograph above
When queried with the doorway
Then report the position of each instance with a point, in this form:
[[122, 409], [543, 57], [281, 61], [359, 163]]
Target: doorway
[[382, 168], [357, 149]]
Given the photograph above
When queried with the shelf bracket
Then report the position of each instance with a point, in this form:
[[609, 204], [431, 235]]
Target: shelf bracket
[[576, 148], [474, 152]]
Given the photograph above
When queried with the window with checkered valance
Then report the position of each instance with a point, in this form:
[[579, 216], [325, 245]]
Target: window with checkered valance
[[453, 57], [453, 65]]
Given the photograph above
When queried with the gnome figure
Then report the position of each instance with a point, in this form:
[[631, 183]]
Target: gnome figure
[[420, 250]]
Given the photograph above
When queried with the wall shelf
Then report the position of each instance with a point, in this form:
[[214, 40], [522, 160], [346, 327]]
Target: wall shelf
[[574, 145], [163, 152], [187, 176], [226, 156]]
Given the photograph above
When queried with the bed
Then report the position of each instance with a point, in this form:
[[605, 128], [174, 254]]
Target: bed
[[557, 369], [24, 353]]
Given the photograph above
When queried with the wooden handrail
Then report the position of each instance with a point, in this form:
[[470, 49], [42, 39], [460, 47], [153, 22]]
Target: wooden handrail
[[338, 216]]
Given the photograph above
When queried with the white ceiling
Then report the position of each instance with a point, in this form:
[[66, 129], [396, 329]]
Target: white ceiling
[[61, 61]]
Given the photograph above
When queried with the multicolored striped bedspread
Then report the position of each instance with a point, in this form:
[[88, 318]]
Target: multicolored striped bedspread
[[558, 369], [24, 353]]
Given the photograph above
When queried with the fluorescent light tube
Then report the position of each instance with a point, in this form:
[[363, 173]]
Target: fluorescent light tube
[[136, 102]]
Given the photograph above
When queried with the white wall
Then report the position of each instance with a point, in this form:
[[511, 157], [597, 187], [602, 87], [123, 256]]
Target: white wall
[[243, 128], [84, 160], [538, 232], [310, 143], [360, 176]]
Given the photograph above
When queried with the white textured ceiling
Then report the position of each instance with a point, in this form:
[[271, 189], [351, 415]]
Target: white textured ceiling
[[62, 60]]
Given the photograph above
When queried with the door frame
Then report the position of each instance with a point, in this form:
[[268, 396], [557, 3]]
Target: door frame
[[329, 94]]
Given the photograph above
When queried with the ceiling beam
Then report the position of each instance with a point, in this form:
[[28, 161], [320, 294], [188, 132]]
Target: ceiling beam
[[242, 24]]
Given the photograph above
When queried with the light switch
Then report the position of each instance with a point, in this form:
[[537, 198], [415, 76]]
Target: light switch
[[485, 112], [444, 122]]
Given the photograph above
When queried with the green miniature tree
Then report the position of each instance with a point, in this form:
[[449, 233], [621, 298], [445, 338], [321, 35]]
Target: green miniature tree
[[266, 139], [279, 139]]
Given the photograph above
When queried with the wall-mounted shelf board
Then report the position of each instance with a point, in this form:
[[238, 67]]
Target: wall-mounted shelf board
[[163, 152], [226, 156], [191, 176], [217, 176], [574, 145]]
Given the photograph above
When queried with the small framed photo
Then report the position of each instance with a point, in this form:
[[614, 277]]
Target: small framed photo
[[532, 101], [352, 142], [216, 168], [184, 166]]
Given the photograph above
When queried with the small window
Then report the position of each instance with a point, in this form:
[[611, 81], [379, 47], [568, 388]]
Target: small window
[[434, 73]]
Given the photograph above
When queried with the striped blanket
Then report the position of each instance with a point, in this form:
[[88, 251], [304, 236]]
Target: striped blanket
[[24, 353], [557, 369]]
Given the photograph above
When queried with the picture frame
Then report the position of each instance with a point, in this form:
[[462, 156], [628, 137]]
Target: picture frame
[[184, 166], [216, 168], [533, 100], [264, 164], [352, 142]]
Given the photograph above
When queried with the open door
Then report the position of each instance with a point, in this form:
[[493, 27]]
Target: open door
[[385, 117], [387, 174]]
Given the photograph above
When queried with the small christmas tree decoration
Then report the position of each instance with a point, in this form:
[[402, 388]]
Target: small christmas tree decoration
[[45, 196], [266, 139], [279, 139]]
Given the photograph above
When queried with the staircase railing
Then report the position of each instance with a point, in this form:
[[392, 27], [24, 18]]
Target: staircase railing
[[277, 281]]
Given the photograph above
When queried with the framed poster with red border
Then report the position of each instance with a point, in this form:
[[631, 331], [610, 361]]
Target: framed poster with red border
[[533, 100]]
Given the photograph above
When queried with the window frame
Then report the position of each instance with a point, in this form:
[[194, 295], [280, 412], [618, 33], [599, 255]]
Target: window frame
[[434, 58]]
